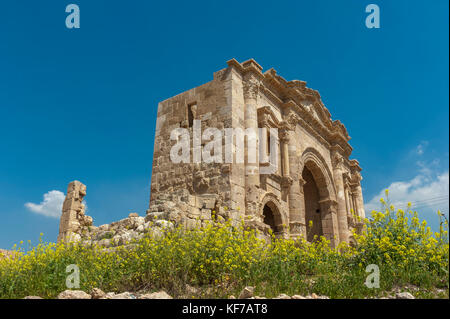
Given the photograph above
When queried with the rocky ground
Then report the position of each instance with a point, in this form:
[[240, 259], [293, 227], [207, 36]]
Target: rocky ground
[[246, 293]]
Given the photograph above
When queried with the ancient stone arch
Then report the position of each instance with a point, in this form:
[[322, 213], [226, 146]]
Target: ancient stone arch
[[243, 96], [326, 204], [270, 212], [314, 161]]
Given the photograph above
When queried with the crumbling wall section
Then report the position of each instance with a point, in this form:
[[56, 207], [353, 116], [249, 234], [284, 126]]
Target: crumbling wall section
[[73, 218]]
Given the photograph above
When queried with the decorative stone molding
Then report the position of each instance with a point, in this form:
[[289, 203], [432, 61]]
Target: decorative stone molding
[[338, 161], [266, 118], [284, 132], [286, 182], [251, 87], [328, 205]]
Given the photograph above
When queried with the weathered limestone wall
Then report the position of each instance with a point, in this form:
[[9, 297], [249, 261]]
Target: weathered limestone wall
[[201, 187], [168, 211]]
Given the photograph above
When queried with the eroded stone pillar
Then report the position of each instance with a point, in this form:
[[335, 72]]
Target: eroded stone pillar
[[296, 197], [359, 201], [252, 179], [73, 217], [285, 137], [356, 189], [340, 197]]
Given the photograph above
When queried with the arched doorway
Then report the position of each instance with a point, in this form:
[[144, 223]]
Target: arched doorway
[[269, 218], [313, 212], [272, 218], [319, 197]]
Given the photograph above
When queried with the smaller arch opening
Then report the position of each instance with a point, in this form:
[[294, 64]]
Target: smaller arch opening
[[313, 217], [272, 217], [269, 219]]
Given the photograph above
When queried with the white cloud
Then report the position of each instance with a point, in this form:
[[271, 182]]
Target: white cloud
[[421, 147], [427, 193], [51, 206]]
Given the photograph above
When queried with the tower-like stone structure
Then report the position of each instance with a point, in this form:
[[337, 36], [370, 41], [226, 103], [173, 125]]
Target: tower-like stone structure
[[73, 217], [314, 188]]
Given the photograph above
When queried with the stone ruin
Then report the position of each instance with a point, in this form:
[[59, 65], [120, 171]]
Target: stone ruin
[[315, 184], [73, 218], [76, 226]]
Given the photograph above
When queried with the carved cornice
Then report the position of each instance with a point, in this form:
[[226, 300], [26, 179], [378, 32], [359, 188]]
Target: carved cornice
[[293, 96]]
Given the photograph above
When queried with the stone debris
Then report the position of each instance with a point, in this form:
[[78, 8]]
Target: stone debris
[[191, 291], [404, 295], [247, 292], [156, 295], [74, 294], [282, 296], [123, 295], [75, 226], [97, 293]]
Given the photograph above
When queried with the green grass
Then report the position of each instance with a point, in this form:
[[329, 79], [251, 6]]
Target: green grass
[[220, 260]]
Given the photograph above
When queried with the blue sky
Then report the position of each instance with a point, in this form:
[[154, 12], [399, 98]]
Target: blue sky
[[81, 103]]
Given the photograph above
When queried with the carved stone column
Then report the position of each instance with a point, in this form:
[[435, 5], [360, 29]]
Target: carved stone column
[[356, 188], [352, 198], [359, 201], [340, 194], [299, 216], [295, 197], [352, 211], [285, 133], [252, 179]]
